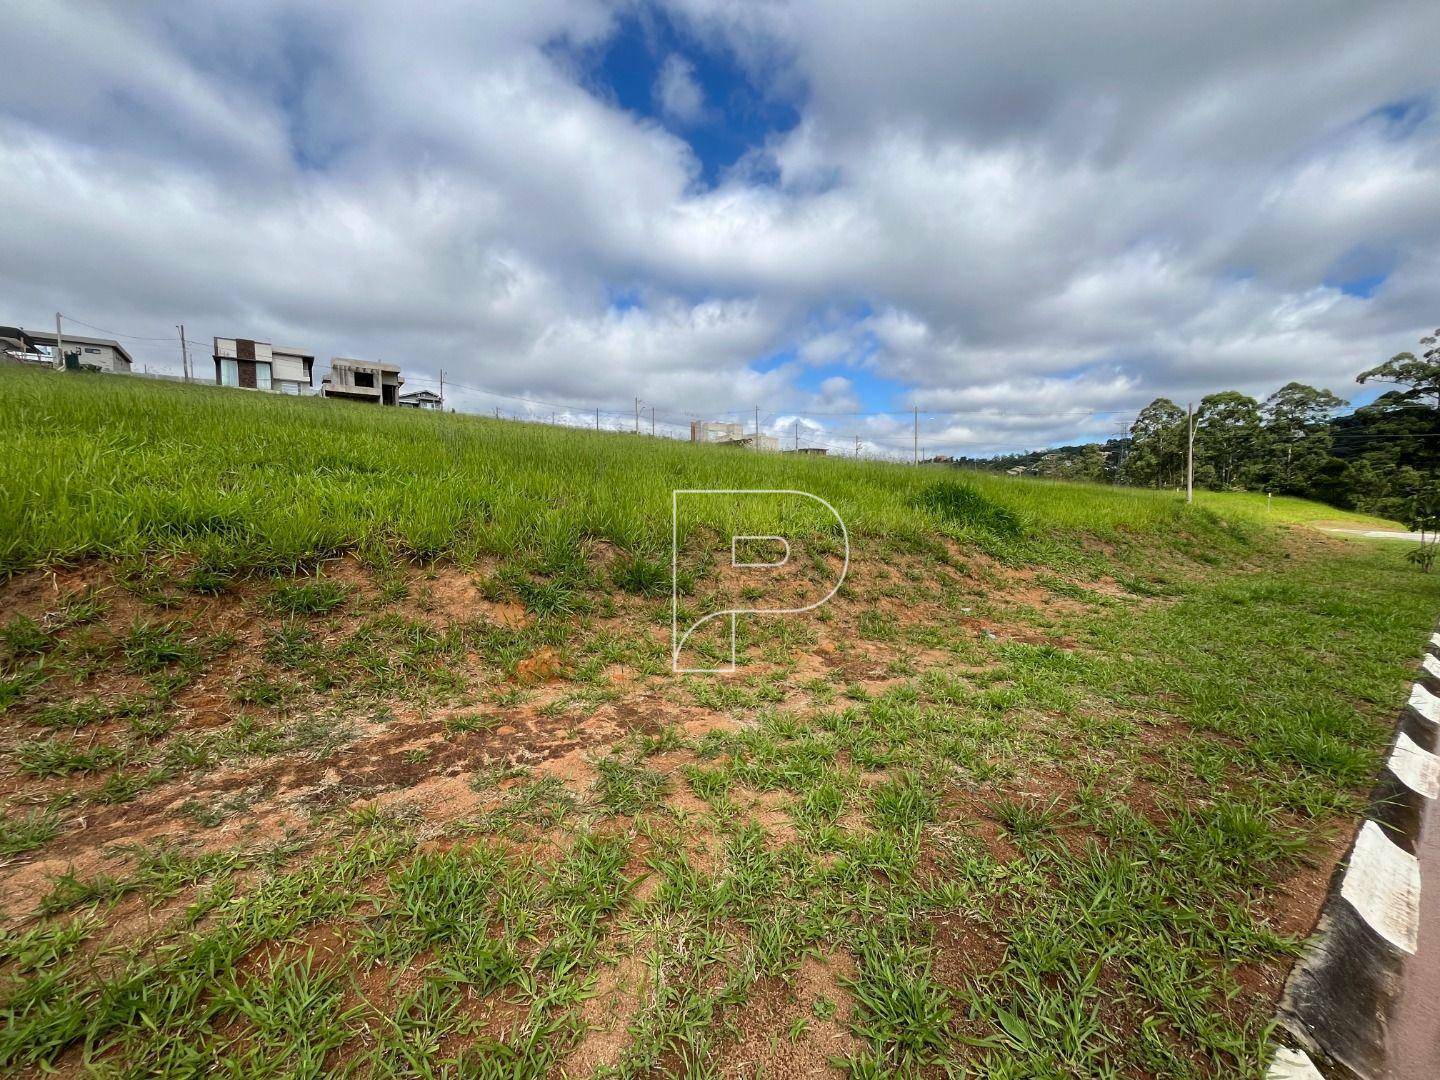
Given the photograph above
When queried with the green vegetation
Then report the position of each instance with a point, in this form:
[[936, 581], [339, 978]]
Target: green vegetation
[[1285, 510], [1033, 795], [1379, 460], [127, 468]]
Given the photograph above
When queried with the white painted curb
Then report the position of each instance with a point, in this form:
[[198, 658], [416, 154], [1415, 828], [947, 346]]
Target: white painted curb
[[1425, 703], [1382, 883], [1345, 984], [1416, 768], [1292, 1065]]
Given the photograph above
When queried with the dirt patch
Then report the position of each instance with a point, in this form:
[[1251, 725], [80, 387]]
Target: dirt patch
[[619, 993], [963, 949], [795, 1027], [770, 810], [326, 944], [439, 798], [544, 665]]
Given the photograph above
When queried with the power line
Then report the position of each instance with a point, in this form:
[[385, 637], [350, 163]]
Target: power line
[[114, 333]]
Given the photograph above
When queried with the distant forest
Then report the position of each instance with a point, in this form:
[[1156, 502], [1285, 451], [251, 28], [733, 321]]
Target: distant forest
[[1381, 458]]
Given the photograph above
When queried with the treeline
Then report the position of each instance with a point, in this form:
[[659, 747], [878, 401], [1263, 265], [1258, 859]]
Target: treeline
[[1381, 458]]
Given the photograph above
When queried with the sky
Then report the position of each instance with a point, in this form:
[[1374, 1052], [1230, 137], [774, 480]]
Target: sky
[[1024, 220]]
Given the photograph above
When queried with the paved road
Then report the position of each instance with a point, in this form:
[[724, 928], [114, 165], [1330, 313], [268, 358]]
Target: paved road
[[1376, 534], [1413, 1036]]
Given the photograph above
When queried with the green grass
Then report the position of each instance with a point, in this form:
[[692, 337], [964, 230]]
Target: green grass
[[317, 596], [1285, 510], [1041, 815], [131, 468], [27, 832]]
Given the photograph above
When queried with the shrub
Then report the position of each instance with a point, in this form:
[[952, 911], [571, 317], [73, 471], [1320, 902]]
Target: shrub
[[637, 574], [317, 596], [961, 504]]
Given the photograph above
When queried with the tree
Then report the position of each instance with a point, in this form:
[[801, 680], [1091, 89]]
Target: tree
[[1085, 462], [1297, 439], [1402, 425], [1422, 515], [1157, 446], [1421, 374], [1227, 428], [1297, 407]]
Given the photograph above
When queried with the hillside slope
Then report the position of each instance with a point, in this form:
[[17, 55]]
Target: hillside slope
[[344, 738]]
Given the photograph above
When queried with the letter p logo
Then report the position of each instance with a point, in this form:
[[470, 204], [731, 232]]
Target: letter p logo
[[757, 526]]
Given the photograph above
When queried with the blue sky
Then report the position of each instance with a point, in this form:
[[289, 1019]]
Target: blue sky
[[734, 116], [1029, 223]]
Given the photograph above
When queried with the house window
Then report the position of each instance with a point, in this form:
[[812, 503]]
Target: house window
[[229, 373], [262, 376], [365, 378], [90, 350]]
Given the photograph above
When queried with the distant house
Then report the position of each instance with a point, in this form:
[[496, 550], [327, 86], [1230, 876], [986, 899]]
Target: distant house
[[721, 433], [754, 442], [421, 399], [21, 347], [81, 353], [715, 431], [363, 380], [258, 365], [808, 451]]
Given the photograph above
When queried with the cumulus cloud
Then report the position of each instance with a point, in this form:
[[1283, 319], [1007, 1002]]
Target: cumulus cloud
[[677, 92], [1023, 219]]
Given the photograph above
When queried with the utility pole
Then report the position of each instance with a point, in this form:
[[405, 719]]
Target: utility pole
[[1190, 453], [497, 412], [184, 353], [757, 427], [797, 434], [442, 389], [916, 441], [652, 421], [59, 345], [597, 419], [637, 416], [857, 446]]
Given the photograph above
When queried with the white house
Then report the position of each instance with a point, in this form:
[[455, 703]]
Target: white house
[[81, 353], [422, 399], [723, 433], [258, 365]]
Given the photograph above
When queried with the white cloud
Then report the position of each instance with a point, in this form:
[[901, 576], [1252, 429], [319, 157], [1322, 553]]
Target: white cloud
[[1008, 210], [677, 92]]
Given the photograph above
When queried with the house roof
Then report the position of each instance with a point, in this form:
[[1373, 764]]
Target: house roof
[[15, 334], [421, 394]]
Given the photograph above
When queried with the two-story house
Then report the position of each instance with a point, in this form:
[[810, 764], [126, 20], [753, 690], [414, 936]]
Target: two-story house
[[372, 381], [258, 365]]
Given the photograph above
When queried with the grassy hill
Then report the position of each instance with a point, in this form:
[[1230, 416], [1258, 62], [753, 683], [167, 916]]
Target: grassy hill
[[126, 467], [1285, 510], [338, 738]]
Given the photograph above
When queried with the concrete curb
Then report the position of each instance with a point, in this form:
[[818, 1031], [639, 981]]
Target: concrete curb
[[1339, 998]]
